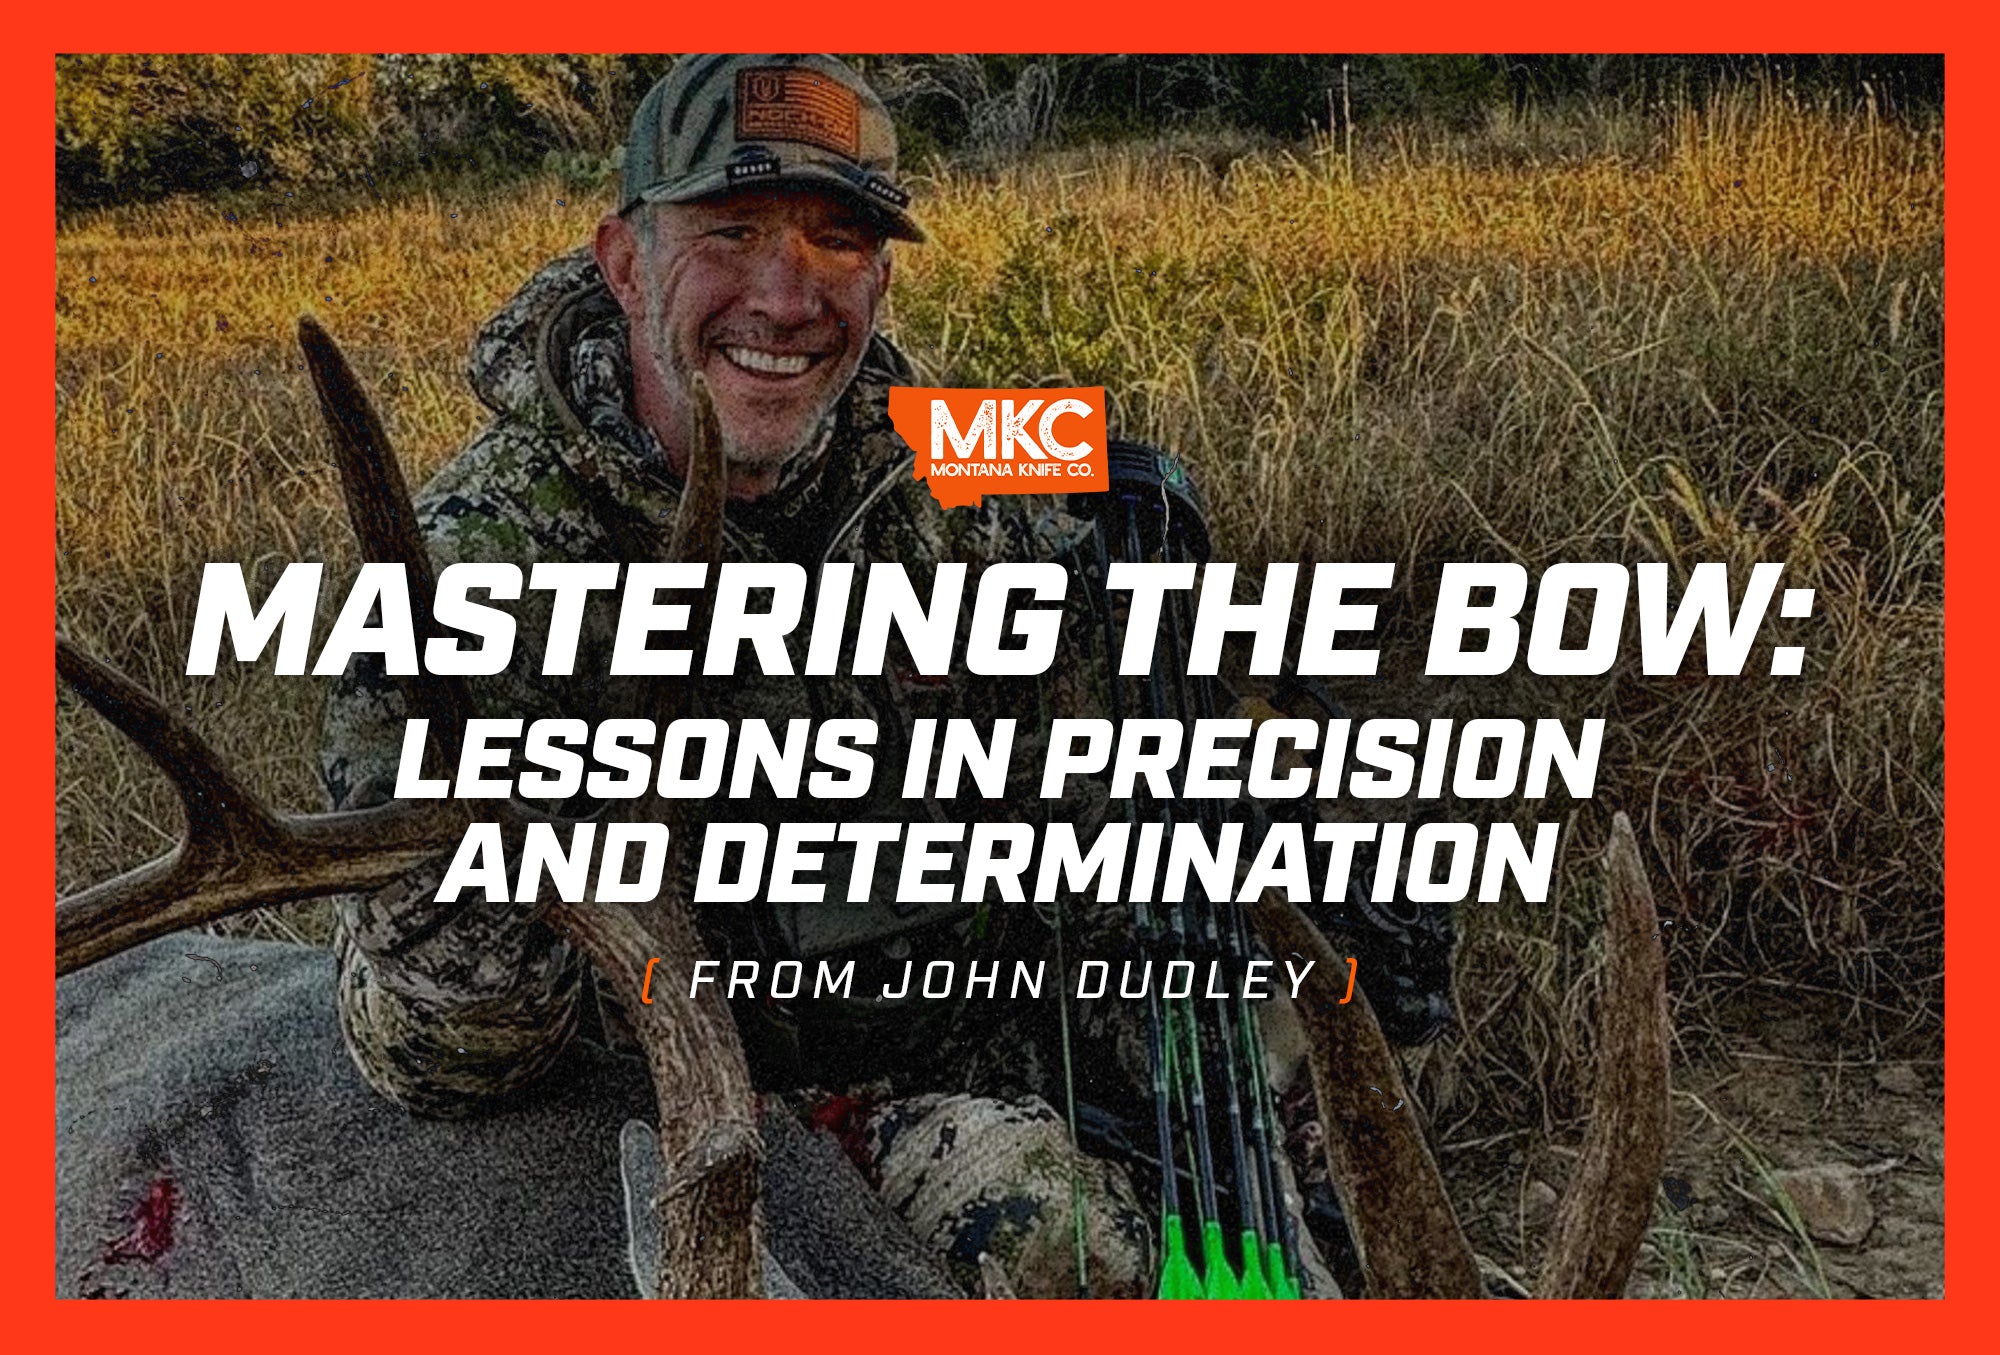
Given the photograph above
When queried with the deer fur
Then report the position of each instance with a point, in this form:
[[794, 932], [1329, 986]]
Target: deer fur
[[226, 1076]]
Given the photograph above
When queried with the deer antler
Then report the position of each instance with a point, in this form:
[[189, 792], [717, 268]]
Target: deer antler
[[1604, 1212], [385, 523], [1410, 1241], [238, 854], [708, 1133]]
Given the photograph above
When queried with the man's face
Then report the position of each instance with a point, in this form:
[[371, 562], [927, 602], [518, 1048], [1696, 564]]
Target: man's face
[[771, 295]]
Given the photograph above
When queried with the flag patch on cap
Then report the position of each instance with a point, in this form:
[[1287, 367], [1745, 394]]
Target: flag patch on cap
[[785, 103]]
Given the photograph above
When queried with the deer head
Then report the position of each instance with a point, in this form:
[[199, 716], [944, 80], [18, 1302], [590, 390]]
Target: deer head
[[238, 854]]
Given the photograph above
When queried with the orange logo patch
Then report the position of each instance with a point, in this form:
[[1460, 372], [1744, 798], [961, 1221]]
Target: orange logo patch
[[970, 443], [783, 103]]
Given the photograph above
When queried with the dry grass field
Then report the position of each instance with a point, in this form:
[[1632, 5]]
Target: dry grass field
[[1706, 333]]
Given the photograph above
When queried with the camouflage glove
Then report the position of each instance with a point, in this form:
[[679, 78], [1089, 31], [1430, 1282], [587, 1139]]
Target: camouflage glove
[[991, 1184], [444, 1006]]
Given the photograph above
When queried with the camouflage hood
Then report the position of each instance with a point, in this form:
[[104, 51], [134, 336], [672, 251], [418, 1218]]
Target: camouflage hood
[[556, 358]]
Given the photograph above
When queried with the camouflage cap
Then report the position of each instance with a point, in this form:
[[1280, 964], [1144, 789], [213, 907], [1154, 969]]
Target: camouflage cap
[[718, 122]]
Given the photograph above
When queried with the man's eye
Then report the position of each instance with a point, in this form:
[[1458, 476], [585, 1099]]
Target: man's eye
[[731, 232], [844, 241]]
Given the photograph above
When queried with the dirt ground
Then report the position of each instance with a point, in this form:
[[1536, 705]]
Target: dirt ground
[[1779, 1089]]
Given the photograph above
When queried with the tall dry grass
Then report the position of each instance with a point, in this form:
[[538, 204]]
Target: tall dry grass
[[1710, 332]]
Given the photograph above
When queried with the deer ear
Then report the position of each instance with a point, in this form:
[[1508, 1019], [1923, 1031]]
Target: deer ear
[[644, 1178]]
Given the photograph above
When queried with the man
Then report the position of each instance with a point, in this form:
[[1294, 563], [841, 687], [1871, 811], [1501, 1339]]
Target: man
[[751, 246]]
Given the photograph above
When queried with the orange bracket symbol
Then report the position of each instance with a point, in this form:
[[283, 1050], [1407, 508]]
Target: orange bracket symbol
[[647, 987], [1349, 996]]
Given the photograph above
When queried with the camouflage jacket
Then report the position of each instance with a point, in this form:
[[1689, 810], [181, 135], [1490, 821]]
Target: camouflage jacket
[[446, 1007]]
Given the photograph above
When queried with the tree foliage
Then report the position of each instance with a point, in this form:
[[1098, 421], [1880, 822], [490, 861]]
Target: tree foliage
[[135, 127]]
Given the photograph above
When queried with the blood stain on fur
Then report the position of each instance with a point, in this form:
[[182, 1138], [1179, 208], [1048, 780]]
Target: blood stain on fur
[[148, 1237], [149, 1232]]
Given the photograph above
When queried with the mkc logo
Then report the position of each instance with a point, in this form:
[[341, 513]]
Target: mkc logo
[[969, 443]]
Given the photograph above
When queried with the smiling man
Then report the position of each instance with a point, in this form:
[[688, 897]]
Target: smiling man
[[751, 244]]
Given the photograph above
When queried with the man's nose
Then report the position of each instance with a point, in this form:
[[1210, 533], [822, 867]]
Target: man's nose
[[784, 284]]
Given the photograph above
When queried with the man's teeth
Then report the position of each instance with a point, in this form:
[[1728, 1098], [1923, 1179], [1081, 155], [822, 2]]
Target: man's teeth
[[777, 364]]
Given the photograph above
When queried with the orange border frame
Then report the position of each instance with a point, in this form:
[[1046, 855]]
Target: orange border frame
[[26, 799]]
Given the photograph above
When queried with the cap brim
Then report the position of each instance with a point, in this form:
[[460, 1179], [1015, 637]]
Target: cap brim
[[896, 221]]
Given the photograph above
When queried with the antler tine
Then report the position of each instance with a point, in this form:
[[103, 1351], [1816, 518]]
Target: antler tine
[[1409, 1238], [224, 820], [696, 534], [220, 809], [237, 854], [378, 506], [1609, 1202], [708, 1133]]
